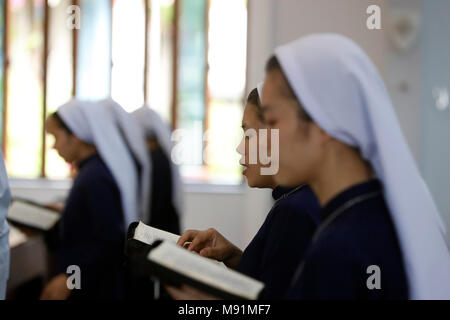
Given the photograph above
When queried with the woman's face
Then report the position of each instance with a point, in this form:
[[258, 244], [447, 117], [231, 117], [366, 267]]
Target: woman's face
[[67, 145], [300, 141], [251, 124]]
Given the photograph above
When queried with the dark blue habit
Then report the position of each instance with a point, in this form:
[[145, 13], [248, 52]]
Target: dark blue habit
[[92, 232], [362, 235], [278, 247], [164, 216]]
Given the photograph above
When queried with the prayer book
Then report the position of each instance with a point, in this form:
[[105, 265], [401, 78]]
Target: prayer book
[[32, 214], [175, 265], [149, 235]]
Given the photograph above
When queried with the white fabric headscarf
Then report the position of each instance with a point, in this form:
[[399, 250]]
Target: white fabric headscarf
[[155, 127], [93, 123], [5, 198], [135, 138], [341, 90], [259, 89]]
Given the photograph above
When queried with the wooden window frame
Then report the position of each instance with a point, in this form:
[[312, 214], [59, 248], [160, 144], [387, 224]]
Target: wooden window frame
[[75, 38]]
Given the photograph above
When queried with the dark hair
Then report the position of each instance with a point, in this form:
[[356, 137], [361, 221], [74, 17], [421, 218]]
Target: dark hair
[[273, 64], [253, 98], [55, 116]]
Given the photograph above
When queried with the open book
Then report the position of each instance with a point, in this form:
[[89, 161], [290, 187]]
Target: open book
[[149, 235], [32, 214], [165, 260]]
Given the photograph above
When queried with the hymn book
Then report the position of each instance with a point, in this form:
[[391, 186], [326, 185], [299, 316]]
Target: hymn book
[[149, 235], [175, 265], [32, 214]]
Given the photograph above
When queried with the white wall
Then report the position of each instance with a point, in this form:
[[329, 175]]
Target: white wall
[[275, 22]]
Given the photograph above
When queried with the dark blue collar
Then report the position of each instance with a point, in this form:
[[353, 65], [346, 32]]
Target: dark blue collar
[[352, 192], [280, 191], [85, 161]]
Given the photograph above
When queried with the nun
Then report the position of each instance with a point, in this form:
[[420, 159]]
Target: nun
[[5, 198], [164, 192], [380, 235], [101, 204], [134, 137], [281, 242]]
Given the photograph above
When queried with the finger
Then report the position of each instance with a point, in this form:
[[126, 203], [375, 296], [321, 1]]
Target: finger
[[187, 237], [197, 294], [199, 241], [213, 253], [177, 294], [45, 294]]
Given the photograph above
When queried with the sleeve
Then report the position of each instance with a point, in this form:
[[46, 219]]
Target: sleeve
[[5, 198]]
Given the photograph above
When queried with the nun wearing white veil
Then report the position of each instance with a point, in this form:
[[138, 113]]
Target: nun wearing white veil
[[165, 189], [135, 139], [381, 236], [102, 202]]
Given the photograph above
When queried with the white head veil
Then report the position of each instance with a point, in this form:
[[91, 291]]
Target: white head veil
[[135, 139], [342, 91], [154, 126], [93, 123], [259, 89]]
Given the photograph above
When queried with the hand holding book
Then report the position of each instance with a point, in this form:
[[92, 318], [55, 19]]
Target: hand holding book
[[211, 244], [185, 292], [157, 254]]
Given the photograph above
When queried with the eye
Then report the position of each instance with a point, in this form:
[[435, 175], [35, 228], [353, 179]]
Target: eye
[[271, 122]]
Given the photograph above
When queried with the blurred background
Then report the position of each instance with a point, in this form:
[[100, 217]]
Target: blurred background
[[194, 61]]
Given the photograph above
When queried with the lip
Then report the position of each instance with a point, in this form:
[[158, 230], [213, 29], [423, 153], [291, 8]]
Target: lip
[[244, 168]]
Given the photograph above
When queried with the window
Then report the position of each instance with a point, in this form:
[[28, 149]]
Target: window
[[60, 76], [128, 53], [25, 87], [181, 57]]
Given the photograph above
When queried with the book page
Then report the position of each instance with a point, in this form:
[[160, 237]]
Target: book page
[[16, 237], [32, 215], [204, 270], [148, 235]]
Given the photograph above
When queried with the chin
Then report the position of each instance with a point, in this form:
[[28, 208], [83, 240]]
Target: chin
[[250, 183], [286, 180]]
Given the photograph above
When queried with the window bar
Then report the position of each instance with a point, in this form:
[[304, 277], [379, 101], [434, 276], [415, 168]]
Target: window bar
[[5, 76], [111, 6], [247, 71], [175, 63], [74, 54], [44, 103], [207, 95], [146, 33]]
